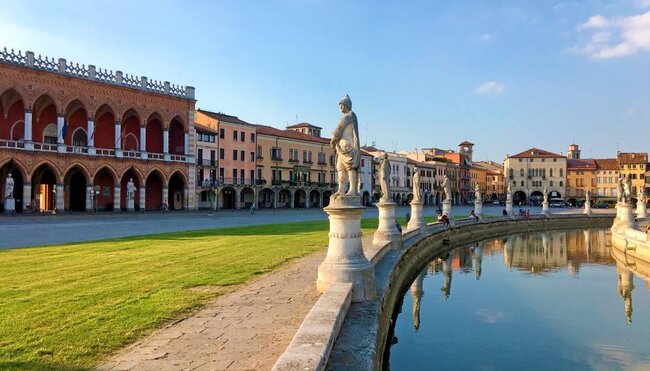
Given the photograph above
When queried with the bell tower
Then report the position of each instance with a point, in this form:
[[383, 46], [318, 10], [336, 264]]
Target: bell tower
[[466, 148], [573, 153]]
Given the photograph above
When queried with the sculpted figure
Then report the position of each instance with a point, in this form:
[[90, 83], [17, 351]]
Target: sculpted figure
[[384, 178], [416, 185], [627, 188], [545, 194], [130, 189], [620, 189], [446, 188], [345, 140], [640, 196], [477, 193], [588, 197], [509, 194], [9, 187]]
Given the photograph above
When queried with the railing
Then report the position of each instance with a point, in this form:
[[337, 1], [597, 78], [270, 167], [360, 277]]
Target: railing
[[11, 144], [156, 156], [277, 159], [90, 72], [322, 163], [131, 154], [105, 152], [179, 158], [75, 149], [206, 162], [46, 147], [293, 160], [307, 162]]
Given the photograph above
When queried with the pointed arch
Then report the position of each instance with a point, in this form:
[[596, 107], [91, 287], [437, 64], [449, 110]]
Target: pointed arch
[[8, 98], [159, 172], [132, 112], [73, 106], [17, 164], [50, 165], [134, 170], [109, 169], [42, 102], [78, 167]]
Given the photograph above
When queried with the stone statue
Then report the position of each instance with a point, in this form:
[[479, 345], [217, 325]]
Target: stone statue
[[545, 194], [620, 189], [384, 178], [417, 197], [345, 140], [509, 194], [446, 188], [640, 196], [588, 197], [9, 186], [477, 193], [130, 189], [627, 188]]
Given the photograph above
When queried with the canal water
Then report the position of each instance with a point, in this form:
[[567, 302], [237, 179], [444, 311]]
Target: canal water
[[561, 300]]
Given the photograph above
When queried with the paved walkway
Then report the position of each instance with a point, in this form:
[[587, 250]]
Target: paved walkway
[[245, 330]]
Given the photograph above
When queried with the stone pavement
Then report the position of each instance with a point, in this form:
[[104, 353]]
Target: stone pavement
[[247, 329]]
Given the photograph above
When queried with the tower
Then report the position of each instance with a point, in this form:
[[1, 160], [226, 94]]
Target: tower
[[573, 153], [466, 148]]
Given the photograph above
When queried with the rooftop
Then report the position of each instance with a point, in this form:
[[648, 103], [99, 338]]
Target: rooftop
[[204, 129], [606, 164], [573, 164], [269, 130], [303, 125], [222, 117], [632, 158], [536, 153]]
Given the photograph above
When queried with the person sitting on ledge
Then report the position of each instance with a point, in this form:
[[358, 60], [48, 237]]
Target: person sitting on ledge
[[504, 213], [445, 219], [473, 215]]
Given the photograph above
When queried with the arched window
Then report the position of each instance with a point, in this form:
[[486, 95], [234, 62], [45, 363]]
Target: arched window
[[79, 138], [512, 173], [561, 183], [521, 172], [49, 134], [522, 183], [550, 183], [561, 172], [550, 171]]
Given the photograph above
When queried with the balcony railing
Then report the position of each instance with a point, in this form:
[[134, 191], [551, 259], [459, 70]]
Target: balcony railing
[[277, 159], [206, 162], [322, 163], [13, 144], [293, 160]]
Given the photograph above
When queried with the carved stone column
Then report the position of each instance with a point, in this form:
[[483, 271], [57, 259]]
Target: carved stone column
[[417, 217], [345, 260], [387, 230]]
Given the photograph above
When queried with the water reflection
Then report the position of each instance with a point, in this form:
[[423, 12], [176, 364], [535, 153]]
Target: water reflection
[[558, 286]]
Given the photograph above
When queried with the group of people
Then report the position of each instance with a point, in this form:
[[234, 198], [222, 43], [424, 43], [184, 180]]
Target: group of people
[[524, 213], [442, 218]]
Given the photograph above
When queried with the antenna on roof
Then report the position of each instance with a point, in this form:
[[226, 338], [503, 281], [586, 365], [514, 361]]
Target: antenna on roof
[[296, 118]]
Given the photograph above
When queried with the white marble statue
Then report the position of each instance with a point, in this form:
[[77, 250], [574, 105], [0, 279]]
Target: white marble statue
[[446, 188], [545, 194], [384, 178], [130, 189], [640, 196], [417, 197], [627, 188], [345, 140], [477, 193], [9, 186], [620, 189], [588, 197], [509, 194]]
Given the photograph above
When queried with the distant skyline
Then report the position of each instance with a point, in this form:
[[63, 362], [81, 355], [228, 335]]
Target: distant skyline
[[505, 75]]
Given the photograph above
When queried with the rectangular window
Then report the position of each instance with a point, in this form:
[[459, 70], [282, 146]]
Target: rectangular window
[[222, 133], [222, 154], [199, 155], [276, 154], [242, 172], [252, 137], [259, 152], [221, 174], [234, 135], [242, 155], [212, 159], [252, 156], [234, 154], [259, 174], [234, 176], [242, 136]]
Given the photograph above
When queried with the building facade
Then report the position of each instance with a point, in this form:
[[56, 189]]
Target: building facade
[[73, 136], [494, 180], [207, 165], [530, 171], [635, 165], [607, 174], [581, 177]]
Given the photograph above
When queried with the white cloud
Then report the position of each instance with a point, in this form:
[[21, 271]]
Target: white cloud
[[490, 87], [488, 36], [616, 37]]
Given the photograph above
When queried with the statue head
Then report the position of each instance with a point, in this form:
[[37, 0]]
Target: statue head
[[130, 179], [9, 175], [345, 104], [385, 156]]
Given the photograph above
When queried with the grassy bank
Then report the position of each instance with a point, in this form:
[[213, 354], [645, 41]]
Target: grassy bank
[[69, 306]]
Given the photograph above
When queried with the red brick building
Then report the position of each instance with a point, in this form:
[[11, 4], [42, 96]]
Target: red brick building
[[72, 136]]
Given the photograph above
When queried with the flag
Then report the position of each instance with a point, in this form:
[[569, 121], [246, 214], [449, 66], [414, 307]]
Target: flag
[[92, 136], [64, 129]]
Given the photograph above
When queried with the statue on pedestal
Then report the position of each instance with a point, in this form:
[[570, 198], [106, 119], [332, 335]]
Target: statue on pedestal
[[416, 185], [620, 189], [627, 188], [545, 194], [345, 140], [384, 178], [588, 197], [509, 194], [130, 189], [9, 187], [446, 188], [640, 196], [477, 193]]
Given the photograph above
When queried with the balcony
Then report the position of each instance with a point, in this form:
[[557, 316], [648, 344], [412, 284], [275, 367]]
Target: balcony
[[204, 162], [294, 160], [90, 151], [307, 162], [322, 163], [276, 159]]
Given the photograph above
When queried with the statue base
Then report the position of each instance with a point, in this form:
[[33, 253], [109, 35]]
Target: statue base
[[345, 261], [624, 216], [545, 210], [417, 217], [641, 211], [587, 210], [10, 205], [387, 230], [509, 209], [446, 210], [478, 209], [130, 205]]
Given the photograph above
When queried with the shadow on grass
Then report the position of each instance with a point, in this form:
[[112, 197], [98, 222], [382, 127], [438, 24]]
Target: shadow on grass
[[36, 366]]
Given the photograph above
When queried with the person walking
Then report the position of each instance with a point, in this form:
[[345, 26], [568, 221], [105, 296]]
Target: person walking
[[253, 208]]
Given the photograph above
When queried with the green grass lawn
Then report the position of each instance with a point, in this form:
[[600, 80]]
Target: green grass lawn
[[70, 306]]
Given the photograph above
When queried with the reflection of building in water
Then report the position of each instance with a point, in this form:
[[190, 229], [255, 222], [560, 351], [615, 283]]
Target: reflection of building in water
[[461, 259], [587, 247], [478, 259], [536, 253], [626, 267], [417, 292]]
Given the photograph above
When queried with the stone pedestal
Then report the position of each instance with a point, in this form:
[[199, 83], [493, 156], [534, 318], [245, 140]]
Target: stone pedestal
[[10, 205], [478, 209], [417, 217], [625, 216], [446, 209], [130, 205], [587, 210], [641, 211], [545, 210], [509, 209], [345, 261], [387, 230]]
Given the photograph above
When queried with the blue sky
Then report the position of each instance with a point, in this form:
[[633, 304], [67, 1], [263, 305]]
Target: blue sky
[[506, 75]]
